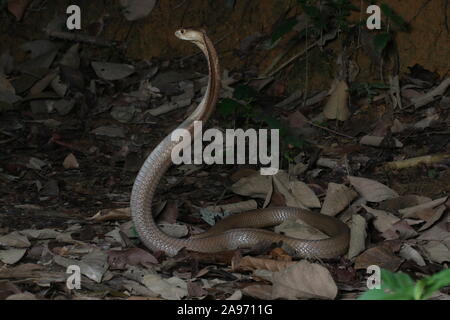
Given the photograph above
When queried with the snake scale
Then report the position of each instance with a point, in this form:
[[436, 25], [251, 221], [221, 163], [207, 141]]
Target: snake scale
[[236, 231]]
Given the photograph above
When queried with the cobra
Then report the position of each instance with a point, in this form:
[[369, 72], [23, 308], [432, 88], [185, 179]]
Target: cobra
[[242, 230]]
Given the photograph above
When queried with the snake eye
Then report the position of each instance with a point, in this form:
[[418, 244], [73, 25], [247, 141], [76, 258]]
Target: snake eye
[[182, 31]]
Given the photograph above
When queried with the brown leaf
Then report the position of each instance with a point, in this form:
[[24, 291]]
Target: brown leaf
[[243, 173], [251, 263], [412, 211], [372, 190], [280, 255], [337, 105], [259, 291], [431, 216], [18, 7], [402, 202], [383, 220], [170, 213], [437, 251], [304, 280], [380, 256], [111, 215], [132, 257], [70, 162], [337, 199], [358, 236], [195, 289]]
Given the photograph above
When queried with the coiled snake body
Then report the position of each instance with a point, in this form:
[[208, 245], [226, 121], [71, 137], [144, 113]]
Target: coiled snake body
[[237, 231]]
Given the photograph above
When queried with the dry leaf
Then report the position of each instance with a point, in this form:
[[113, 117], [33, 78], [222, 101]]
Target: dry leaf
[[380, 256], [409, 253], [258, 291], [169, 213], [432, 95], [437, 251], [383, 220], [372, 190], [172, 289], [337, 105], [298, 229], [304, 280], [111, 214], [251, 263], [18, 7], [70, 162], [234, 207], [411, 211], [11, 256], [305, 194], [337, 199], [358, 236], [375, 141], [283, 185], [402, 202], [132, 257], [439, 232], [243, 173], [432, 216], [256, 186], [112, 71]]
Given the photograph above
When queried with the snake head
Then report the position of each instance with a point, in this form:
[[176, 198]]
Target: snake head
[[192, 35]]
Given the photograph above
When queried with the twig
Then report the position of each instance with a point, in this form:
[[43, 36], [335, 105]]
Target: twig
[[330, 130], [295, 57]]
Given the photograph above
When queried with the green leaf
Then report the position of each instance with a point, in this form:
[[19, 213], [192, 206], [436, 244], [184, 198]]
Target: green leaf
[[228, 106], [379, 294], [381, 41], [395, 281], [435, 282], [284, 28], [245, 93], [391, 14]]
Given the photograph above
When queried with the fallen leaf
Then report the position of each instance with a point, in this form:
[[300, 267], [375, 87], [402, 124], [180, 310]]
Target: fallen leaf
[[412, 211], [383, 220], [337, 199], [304, 280], [431, 216], [18, 7], [358, 236], [375, 141], [112, 71], [14, 239], [259, 291], [337, 105], [237, 295], [252, 263], [11, 256], [380, 256], [70, 162], [22, 296], [111, 215], [174, 230], [298, 229], [437, 251], [296, 193], [409, 253], [371, 190], [257, 186], [234, 207], [132, 256], [171, 289]]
